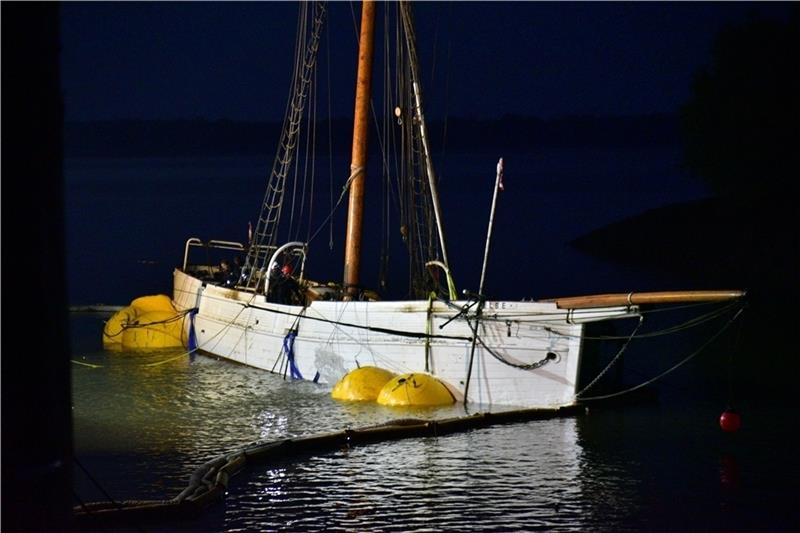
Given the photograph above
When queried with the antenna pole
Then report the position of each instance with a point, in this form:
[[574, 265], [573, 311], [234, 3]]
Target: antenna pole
[[497, 187]]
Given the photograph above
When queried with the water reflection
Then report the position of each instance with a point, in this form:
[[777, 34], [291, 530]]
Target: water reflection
[[520, 476], [272, 425], [729, 472]]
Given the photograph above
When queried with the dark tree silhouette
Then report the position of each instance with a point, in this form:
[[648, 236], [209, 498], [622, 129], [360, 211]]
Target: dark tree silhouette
[[742, 122]]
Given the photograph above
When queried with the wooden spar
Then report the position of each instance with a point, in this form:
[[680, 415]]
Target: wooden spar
[[639, 298], [355, 209]]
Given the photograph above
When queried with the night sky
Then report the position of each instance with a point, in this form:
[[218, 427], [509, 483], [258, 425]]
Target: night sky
[[155, 60]]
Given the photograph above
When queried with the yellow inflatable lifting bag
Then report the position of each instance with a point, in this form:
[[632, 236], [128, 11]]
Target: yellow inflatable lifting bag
[[112, 332], [156, 302], [361, 384], [156, 329], [415, 390]]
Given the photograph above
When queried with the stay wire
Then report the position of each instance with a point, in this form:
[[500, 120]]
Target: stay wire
[[613, 359], [330, 133], [671, 369]]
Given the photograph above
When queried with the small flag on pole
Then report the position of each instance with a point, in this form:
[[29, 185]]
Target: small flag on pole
[[500, 175]]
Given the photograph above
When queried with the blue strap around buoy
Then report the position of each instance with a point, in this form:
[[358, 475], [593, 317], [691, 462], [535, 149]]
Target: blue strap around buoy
[[288, 349]]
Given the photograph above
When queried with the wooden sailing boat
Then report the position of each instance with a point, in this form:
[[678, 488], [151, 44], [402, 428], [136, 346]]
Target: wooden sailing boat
[[505, 353]]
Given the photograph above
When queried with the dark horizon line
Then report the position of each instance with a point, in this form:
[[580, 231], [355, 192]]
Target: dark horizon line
[[201, 136], [504, 117]]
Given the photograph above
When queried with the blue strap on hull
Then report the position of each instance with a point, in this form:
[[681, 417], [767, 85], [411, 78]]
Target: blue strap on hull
[[192, 335], [288, 349]]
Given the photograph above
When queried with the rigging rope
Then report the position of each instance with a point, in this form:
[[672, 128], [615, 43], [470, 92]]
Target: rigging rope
[[417, 211], [614, 359], [672, 368], [388, 331], [330, 136], [354, 172], [265, 236]]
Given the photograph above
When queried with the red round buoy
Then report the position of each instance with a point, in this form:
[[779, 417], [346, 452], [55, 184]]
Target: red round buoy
[[730, 421]]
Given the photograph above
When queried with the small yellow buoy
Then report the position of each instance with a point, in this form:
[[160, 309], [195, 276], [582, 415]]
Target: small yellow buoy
[[415, 390], [361, 384], [156, 329]]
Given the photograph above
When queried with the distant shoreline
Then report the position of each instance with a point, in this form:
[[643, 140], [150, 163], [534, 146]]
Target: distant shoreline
[[126, 138], [714, 242]]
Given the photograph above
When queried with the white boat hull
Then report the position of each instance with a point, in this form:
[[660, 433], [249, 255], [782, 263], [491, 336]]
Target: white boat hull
[[335, 337]]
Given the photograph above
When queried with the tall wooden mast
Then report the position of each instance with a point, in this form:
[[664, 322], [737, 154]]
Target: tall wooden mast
[[355, 210]]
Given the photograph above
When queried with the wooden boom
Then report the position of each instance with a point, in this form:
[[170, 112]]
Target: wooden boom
[[638, 298]]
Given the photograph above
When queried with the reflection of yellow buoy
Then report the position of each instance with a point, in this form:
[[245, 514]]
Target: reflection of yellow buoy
[[415, 389], [149, 322], [361, 384]]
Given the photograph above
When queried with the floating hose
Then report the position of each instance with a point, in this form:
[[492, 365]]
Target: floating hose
[[209, 482]]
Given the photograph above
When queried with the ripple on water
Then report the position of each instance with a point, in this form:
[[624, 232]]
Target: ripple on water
[[510, 475]]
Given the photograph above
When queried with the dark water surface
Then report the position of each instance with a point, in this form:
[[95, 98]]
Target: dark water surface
[[656, 463]]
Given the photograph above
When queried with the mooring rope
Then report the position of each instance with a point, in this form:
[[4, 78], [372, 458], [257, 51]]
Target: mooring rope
[[90, 365]]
